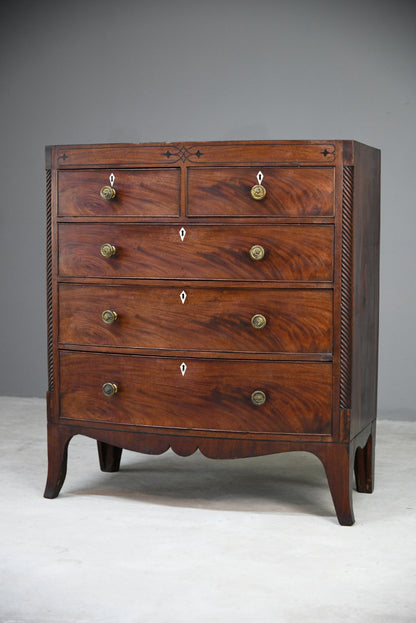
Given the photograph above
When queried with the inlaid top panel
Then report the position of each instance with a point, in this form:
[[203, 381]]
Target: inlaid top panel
[[204, 153]]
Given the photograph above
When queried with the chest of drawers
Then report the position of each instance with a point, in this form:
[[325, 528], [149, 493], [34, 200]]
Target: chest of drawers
[[215, 296]]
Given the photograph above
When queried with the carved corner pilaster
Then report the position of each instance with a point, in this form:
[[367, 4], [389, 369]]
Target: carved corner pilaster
[[49, 277], [346, 287]]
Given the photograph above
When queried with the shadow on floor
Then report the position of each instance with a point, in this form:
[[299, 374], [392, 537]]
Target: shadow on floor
[[292, 482]]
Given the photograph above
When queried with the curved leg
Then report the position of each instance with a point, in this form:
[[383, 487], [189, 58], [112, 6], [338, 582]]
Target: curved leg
[[364, 465], [58, 440], [338, 468], [109, 456]]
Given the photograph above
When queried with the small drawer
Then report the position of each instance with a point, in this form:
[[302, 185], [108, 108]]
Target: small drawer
[[231, 252], [137, 192], [290, 191], [187, 317], [205, 394]]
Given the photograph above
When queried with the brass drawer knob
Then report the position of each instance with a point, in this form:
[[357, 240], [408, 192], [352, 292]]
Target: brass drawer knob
[[108, 316], [258, 397], [257, 252], [109, 389], [108, 250], [108, 192], [258, 191], [258, 321]]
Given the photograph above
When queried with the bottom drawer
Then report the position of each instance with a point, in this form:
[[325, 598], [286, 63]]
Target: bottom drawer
[[204, 394]]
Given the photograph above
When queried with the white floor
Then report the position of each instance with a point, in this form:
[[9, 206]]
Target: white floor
[[169, 539]]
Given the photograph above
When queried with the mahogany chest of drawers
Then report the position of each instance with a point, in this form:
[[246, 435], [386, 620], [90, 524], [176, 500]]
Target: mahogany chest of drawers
[[218, 296]]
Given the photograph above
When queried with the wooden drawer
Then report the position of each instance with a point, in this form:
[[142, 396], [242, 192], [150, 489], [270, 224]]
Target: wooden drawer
[[209, 319], [139, 192], [212, 394], [292, 252], [290, 191]]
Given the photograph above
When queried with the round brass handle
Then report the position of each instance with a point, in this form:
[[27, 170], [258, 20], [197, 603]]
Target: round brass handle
[[108, 192], [108, 250], [257, 252], [109, 389], [258, 397], [258, 321], [108, 316], [258, 192]]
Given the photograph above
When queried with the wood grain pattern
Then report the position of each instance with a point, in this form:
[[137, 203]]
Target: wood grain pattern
[[145, 192], [212, 395], [219, 319], [291, 192], [293, 253]]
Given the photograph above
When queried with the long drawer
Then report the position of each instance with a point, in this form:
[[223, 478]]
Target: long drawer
[[187, 316], [291, 252], [206, 394]]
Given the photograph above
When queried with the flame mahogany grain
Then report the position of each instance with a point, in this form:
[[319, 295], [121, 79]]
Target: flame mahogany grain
[[292, 252], [291, 192], [210, 319], [136, 195]]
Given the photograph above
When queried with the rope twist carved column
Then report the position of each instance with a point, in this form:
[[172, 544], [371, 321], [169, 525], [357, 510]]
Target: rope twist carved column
[[346, 287], [49, 274]]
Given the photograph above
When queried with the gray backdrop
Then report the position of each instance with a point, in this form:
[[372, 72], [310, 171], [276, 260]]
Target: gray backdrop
[[100, 71]]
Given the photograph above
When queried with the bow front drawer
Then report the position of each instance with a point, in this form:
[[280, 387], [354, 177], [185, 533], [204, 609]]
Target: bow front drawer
[[135, 192], [289, 252], [187, 317], [279, 397]]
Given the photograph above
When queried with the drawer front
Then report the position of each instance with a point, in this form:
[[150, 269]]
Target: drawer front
[[290, 192], [142, 192], [291, 252], [210, 395], [183, 317]]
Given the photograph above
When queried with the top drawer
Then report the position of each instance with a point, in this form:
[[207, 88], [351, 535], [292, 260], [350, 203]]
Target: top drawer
[[290, 191], [138, 192]]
